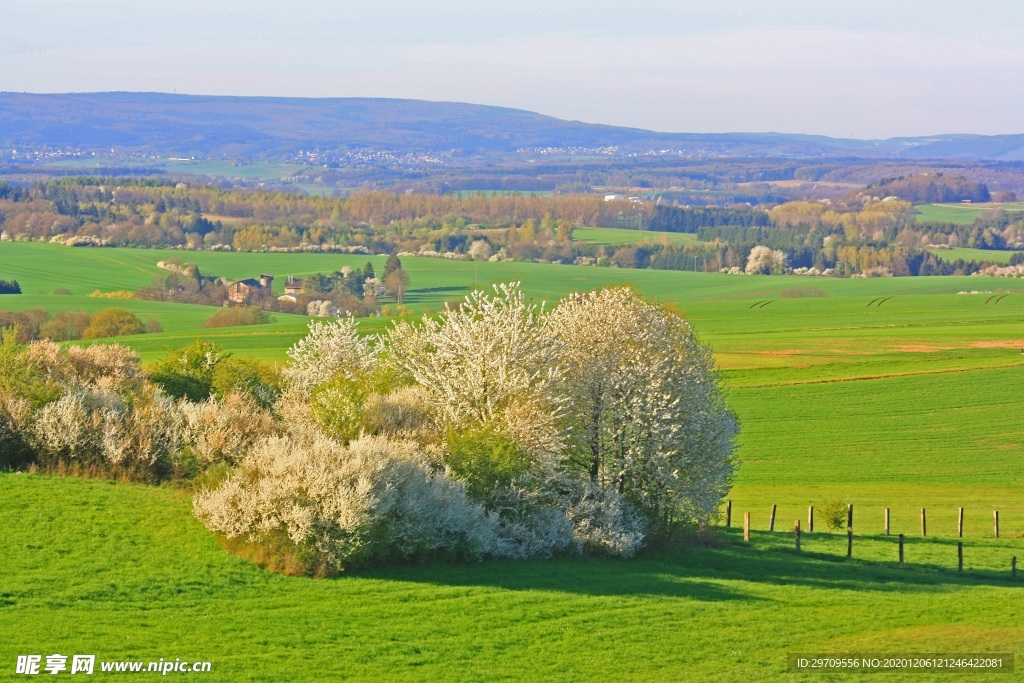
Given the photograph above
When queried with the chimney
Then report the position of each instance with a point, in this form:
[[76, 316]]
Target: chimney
[[265, 280]]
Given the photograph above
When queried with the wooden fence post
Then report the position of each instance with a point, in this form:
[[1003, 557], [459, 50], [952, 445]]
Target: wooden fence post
[[746, 526], [849, 542], [960, 524], [796, 530], [771, 520], [886, 521], [924, 523], [1013, 566], [995, 517], [849, 516], [810, 519], [959, 556], [728, 513], [901, 550]]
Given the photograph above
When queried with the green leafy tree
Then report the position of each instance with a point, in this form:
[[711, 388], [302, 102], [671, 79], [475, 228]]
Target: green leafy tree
[[188, 372], [113, 322], [393, 264]]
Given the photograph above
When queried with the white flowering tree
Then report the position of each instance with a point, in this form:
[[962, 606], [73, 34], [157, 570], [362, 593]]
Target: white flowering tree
[[331, 349], [646, 417], [321, 308], [374, 287], [487, 363], [764, 260], [479, 250]]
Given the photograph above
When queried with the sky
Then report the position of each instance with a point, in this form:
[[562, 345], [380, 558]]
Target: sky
[[864, 68]]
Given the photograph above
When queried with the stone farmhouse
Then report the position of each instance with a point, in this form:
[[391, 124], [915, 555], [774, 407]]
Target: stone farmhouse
[[249, 291]]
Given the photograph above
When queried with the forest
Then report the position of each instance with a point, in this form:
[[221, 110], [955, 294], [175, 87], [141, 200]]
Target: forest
[[855, 235]]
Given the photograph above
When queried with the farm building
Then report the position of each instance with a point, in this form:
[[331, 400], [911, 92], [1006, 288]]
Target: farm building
[[293, 286], [248, 291]]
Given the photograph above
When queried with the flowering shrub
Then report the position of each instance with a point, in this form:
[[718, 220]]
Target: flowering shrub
[[377, 499], [486, 363], [764, 260], [224, 430], [330, 348]]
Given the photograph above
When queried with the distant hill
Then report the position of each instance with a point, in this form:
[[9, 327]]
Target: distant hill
[[279, 127]]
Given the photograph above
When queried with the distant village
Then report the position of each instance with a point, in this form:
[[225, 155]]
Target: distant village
[[355, 291]]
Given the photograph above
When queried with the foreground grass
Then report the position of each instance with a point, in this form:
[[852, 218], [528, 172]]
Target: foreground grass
[[125, 572]]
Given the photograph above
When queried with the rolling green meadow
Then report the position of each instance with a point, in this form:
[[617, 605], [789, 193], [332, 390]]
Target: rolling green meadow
[[967, 254], [897, 393], [618, 236], [960, 214]]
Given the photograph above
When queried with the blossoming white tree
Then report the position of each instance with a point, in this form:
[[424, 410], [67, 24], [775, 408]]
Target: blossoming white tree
[[647, 420], [479, 250], [763, 260], [487, 363], [330, 348]]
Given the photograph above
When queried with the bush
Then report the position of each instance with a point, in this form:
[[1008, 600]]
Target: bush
[[15, 449], [485, 459], [24, 324], [113, 322], [188, 372], [65, 326], [118, 294], [605, 524], [343, 507], [834, 514], [404, 412], [224, 430], [114, 366], [255, 380], [338, 407], [234, 317], [802, 292]]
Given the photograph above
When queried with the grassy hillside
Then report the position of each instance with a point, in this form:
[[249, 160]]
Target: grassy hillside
[[961, 214], [42, 268], [126, 572], [995, 255], [616, 236], [888, 392]]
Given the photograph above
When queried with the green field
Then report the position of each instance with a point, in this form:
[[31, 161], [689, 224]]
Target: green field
[[995, 255], [125, 572], [617, 236], [892, 393], [961, 214]]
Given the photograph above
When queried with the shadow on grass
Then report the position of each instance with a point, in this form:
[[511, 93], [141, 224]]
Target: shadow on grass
[[426, 293], [697, 573]]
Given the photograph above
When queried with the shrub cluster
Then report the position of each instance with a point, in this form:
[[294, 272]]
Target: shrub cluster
[[35, 323], [494, 430], [233, 317], [91, 410]]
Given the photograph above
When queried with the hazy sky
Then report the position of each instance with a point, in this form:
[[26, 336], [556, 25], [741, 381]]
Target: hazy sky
[[861, 68]]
